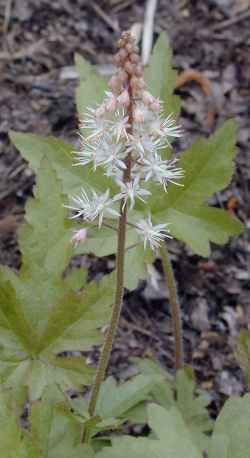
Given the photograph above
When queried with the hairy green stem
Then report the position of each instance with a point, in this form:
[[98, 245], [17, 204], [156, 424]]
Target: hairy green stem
[[108, 343], [175, 307]]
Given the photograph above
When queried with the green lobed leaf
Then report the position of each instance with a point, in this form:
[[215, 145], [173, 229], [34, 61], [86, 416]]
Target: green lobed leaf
[[41, 316], [208, 167], [34, 147], [231, 435]]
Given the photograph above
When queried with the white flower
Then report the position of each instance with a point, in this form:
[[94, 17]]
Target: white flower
[[130, 191], [119, 125], [79, 237], [162, 171], [103, 152], [152, 235], [110, 102], [90, 209], [111, 155], [165, 127], [144, 144], [97, 124], [88, 152]]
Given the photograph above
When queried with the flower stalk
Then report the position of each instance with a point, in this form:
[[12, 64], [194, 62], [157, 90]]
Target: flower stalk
[[175, 307], [116, 311]]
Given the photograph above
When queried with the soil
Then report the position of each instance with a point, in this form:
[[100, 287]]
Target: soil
[[38, 42]]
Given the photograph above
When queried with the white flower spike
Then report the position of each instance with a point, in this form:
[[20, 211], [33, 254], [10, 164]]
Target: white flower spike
[[125, 135]]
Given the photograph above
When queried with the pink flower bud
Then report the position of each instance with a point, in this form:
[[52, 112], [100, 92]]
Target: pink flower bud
[[138, 71], [79, 237], [122, 54], [123, 76], [115, 84], [134, 82], [129, 67], [155, 105], [134, 58], [141, 83], [116, 60], [147, 98], [110, 105], [124, 98], [100, 111], [139, 115], [129, 47]]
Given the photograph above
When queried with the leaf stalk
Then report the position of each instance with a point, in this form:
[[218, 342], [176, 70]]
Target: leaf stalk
[[175, 307]]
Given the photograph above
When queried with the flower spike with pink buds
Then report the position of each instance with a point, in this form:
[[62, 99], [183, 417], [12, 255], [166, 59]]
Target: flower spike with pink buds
[[125, 135]]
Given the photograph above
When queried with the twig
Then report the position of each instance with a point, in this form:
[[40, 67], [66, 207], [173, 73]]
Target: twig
[[204, 83], [194, 75], [8, 224], [136, 31], [7, 16], [148, 30], [122, 5], [223, 25], [23, 52], [135, 327], [115, 27]]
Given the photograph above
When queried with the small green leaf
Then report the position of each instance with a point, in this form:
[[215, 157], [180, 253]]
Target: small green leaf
[[172, 439], [243, 353], [183, 396], [102, 242], [115, 400], [139, 259], [41, 418], [231, 435], [13, 443], [192, 405], [162, 391]]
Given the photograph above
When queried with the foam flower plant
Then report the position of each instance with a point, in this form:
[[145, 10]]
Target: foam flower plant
[[122, 183], [124, 135]]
